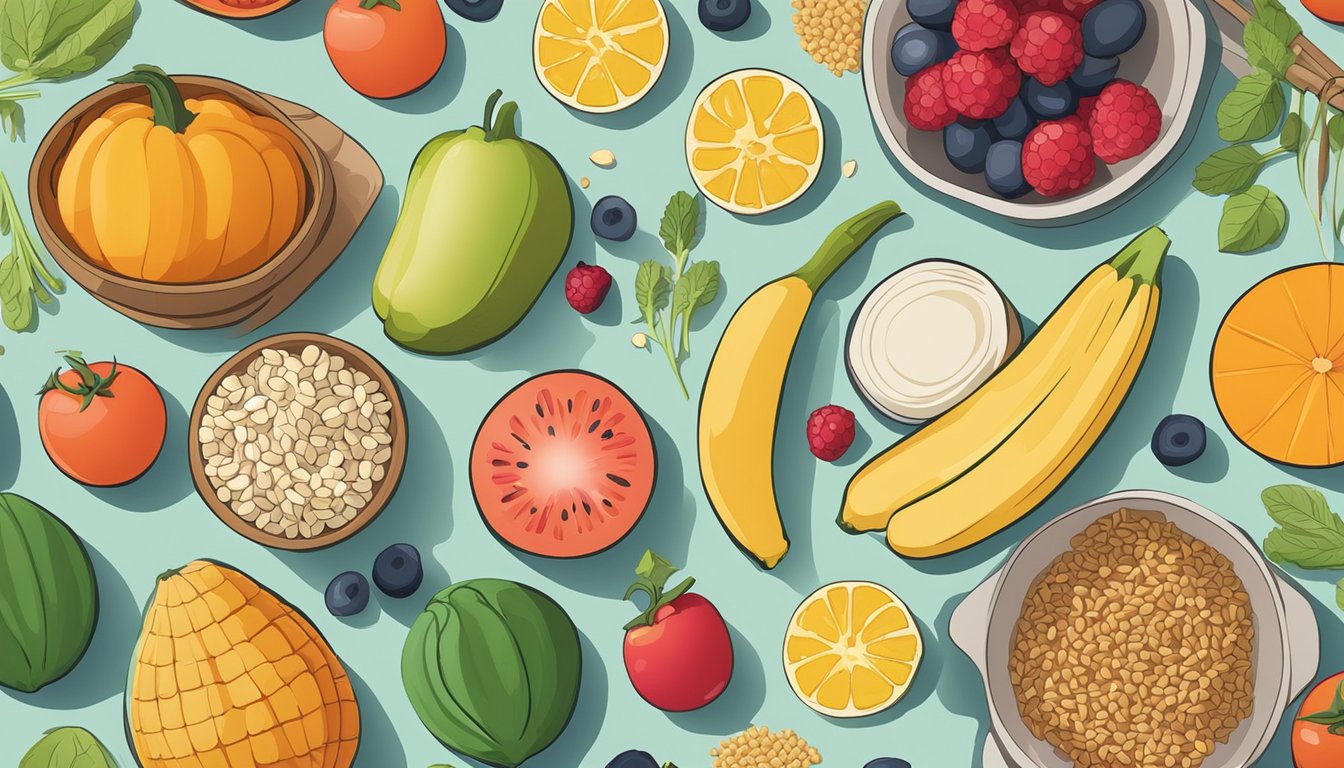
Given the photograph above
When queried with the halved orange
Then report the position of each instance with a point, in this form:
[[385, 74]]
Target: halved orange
[[1278, 367], [754, 141], [600, 55], [852, 649]]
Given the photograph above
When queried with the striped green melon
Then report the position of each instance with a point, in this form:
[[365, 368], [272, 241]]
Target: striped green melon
[[48, 596]]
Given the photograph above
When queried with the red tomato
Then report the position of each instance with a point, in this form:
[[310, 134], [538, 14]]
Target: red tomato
[[386, 48], [1328, 10], [1314, 746], [684, 659], [102, 424]]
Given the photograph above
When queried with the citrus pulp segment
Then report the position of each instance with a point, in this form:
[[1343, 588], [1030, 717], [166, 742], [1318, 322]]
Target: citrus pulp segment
[[600, 55]]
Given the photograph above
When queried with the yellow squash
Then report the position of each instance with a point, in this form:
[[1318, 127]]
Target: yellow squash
[[1000, 453], [739, 406], [181, 191], [228, 675]]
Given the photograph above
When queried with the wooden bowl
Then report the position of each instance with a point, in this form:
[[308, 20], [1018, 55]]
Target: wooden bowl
[[189, 305], [383, 490]]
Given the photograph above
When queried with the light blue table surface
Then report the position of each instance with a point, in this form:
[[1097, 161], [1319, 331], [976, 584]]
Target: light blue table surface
[[157, 523]]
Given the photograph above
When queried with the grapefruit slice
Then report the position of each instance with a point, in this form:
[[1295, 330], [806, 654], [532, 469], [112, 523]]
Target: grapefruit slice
[[563, 465], [1278, 367]]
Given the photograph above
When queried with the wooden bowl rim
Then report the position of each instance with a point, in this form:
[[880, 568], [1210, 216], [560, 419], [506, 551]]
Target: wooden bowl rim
[[383, 490], [317, 172]]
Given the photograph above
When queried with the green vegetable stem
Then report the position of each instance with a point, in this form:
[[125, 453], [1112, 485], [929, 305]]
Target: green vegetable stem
[[669, 297], [22, 273], [1309, 535], [1332, 717], [41, 46]]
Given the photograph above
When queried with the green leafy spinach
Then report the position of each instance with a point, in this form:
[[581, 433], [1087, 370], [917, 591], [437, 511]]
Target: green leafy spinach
[[1309, 535]]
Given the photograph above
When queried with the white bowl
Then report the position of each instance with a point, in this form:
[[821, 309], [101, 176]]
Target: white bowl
[[1168, 60], [1285, 663]]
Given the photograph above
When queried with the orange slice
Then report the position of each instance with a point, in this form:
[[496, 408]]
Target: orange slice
[[754, 141], [1278, 367], [852, 649], [600, 55]]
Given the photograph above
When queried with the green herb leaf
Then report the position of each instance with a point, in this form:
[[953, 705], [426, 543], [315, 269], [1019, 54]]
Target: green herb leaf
[[1251, 220], [681, 219], [1273, 16], [11, 120], [1311, 536], [16, 303], [1290, 135], [1339, 594], [696, 288], [1265, 51], [1230, 169], [651, 289], [90, 43], [67, 748], [1252, 109]]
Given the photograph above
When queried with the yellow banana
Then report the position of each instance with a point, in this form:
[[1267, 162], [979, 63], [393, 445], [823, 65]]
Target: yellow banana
[[739, 406]]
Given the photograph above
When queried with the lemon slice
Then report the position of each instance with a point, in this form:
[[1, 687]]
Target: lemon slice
[[600, 55], [754, 141], [852, 649]]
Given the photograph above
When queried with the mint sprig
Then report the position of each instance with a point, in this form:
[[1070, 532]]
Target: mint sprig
[[1309, 535], [670, 296]]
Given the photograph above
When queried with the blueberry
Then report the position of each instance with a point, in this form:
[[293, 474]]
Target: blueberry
[[1179, 440], [966, 143], [887, 762], [397, 571], [348, 594], [1113, 27], [613, 218], [475, 10], [1003, 169], [1015, 122], [633, 759], [1050, 102], [1093, 74], [917, 47], [934, 14], [724, 15]]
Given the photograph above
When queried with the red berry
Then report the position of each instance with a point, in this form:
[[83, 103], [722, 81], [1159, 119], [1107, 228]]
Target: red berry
[[830, 432], [1124, 122], [925, 103], [978, 25], [1048, 46], [981, 84], [1075, 8], [1057, 157], [1085, 107], [586, 287]]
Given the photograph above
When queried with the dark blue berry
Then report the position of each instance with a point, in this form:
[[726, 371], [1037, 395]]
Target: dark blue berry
[[633, 758], [966, 143], [1093, 74], [934, 14], [1016, 121], [475, 10], [887, 762], [348, 594], [917, 47], [398, 571], [724, 15], [1179, 440], [1113, 27], [1003, 169], [1050, 102], [613, 218]]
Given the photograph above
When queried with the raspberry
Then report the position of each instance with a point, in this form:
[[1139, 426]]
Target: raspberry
[[1078, 8], [586, 287], [1075, 8], [981, 84], [1048, 46], [830, 432], [926, 104], [1125, 121], [1057, 157], [1085, 107], [978, 25]]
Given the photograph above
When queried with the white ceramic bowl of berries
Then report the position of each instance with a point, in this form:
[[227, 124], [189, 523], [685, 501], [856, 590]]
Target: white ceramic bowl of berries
[[1048, 112]]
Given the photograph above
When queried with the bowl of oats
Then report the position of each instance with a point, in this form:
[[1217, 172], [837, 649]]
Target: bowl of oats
[[298, 441]]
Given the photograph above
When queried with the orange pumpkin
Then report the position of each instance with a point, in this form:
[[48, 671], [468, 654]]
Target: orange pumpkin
[[181, 191]]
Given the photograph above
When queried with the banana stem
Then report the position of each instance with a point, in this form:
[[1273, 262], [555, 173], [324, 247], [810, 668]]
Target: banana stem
[[843, 242], [1142, 259]]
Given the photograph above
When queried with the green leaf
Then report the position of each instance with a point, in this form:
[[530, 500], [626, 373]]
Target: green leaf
[[681, 219], [11, 119], [1290, 135], [90, 42], [67, 747], [1339, 594], [655, 568], [1251, 220], [16, 303], [1252, 109], [23, 27], [1336, 131], [1230, 169], [1265, 51], [696, 288], [651, 289], [1311, 536], [1273, 16]]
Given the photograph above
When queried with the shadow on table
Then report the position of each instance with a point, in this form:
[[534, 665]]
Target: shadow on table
[[1332, 661], [168, 480], [959, 687], [378, 741], [578, 737], [9, 458], [291, 23]]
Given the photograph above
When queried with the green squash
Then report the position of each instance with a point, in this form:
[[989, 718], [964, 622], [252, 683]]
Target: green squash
[[492, 668], [68, 747], [485, 223], [48, 596]]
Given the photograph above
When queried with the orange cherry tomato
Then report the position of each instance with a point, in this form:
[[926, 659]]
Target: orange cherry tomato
[[386, 48], [1314, 746], [1328, 10], [102, 423]]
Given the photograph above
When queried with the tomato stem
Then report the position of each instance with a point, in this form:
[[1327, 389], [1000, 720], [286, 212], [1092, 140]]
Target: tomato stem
[[369, 5], [90, 385], [652, 575]]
